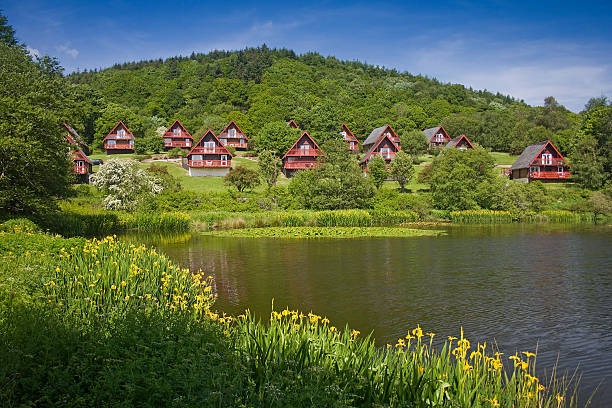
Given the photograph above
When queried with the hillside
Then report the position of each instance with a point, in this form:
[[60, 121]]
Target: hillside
[[260, 85]]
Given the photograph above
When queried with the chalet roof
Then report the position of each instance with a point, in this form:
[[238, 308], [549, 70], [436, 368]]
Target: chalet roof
[[127, 131], [219, 144], [84, 156], [237, 127], [76, 138], [292, 123], [349, 133], [431, 132], [375, 146], [529, 154], [76, 148], [375, 135], [454, 142], [182, 127], [317, 148]]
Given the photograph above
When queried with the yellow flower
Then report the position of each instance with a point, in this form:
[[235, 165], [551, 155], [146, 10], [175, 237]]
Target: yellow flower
[[113, 287], [355, 333], [123, 283], [528, 354], [418, 332], [57, 270], [332, 329], [493, 402], [559, 399]]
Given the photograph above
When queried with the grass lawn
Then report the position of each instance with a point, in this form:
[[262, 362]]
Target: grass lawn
[[503, 158]]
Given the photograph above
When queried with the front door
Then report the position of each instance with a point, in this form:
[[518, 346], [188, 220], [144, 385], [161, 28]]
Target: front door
[[223, 160]]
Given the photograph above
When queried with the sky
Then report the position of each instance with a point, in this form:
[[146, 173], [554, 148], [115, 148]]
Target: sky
[[526, 49]]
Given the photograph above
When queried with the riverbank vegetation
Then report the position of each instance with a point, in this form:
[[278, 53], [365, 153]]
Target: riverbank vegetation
[[325, 232], [94, 321]]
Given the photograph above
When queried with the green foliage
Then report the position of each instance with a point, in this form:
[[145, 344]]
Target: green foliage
[[268, 165], [177, 152], [413, 142], [377, 170], [7, 34], [325, 232], [402, 169], [33, 102], [242, 178], [460, 180], [337, 183], [276, 137], [592, 161], [167, 181]]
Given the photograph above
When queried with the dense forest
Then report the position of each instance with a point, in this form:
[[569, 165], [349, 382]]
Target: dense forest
[[259, 86]]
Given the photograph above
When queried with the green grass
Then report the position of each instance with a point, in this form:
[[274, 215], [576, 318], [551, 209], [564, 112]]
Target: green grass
[[324, 232], [503, 158]]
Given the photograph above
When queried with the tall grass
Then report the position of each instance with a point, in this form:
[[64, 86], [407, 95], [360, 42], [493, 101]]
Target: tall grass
[[481, 217], [504, 217], [410, 372]]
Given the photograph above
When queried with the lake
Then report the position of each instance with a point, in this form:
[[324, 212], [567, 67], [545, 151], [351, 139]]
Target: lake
[[521, 287]]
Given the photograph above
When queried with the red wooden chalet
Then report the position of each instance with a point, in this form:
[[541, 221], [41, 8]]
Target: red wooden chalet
[[177, 136], [292, 124], [233, 136], [348, 136], [460, 142], [380, 133], [437, 136], [302, 155], [82, 166], [119, 140], [540, 161], [209, 157], [385, 148]]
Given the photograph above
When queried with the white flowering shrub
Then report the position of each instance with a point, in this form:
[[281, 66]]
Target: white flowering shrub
[[125, 184]]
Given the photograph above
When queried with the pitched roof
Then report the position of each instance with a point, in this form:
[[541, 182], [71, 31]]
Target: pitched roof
[[349, 134], [375, 146], [431, 132], [237, 127], [195, 145], [529, 154], [83, 155], [182, 127], [116, 126], [454, 142], [317, 148], [376, 134], [76, 138], [292, 124]]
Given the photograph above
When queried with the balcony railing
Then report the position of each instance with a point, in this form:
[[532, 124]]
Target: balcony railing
[[548, 162], [209, 150], [386, 156], [177, 143], [119, 136], [80, 169], [121, 146], [300, 165], [354, 146], [209, 163], [303, 152], [550, 175], [240, 143]]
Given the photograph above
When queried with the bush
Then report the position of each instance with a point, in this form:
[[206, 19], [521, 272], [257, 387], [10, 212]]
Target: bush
[[177, 152], [242, 178], [17, 225]]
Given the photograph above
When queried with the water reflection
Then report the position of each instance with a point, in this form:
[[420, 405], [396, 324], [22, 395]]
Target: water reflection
[[522, 286]]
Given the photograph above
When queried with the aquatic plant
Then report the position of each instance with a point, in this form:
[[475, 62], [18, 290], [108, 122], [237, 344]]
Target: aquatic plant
[[325, 232]]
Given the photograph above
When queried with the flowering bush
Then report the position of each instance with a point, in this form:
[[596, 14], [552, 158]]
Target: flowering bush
[[125, 184]]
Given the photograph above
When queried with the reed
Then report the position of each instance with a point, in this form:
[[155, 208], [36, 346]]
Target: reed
[[481, 217]]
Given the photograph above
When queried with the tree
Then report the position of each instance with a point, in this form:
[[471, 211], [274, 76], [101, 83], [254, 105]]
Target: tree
[[337, 183], [276, 137], [268, 163], [596, 102], [35, 169], [241, 177], [413, 142], [377, 170], [126, 185], [111, 115], [460, 179], [402, 169], [7, 34]]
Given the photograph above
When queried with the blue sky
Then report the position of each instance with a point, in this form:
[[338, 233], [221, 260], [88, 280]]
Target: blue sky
[[527, 49]]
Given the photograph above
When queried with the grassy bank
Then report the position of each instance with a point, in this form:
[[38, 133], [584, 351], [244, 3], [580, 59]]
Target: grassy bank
[[103, 322]]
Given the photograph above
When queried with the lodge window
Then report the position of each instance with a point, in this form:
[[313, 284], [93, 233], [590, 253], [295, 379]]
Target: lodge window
[[231, 132], [209, 145], [111, 142], [167, 139], [305, 146], [547, 159], [121, 133], [385, 152], [560, 169], [177, 131], [439, 137], [132, 142], [224, 141]]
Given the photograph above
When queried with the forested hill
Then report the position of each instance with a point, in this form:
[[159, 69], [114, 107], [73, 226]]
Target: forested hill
[[257, 86]]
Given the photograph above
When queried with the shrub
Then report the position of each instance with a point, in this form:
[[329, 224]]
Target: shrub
[[242, 178]]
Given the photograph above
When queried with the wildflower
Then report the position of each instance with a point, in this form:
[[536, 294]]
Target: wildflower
[[123, 283], [355, 333], [528, 354], [57, 270], [325, 320], [332, 329], [113, 287], [493, 402], [418, 332], [430, 334], [559, 399]]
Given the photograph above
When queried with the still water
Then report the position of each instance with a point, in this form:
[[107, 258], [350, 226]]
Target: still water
[[521, 287]]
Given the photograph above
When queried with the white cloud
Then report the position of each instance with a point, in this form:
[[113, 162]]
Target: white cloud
[[33, 51], [528, 70], [73, 52]]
